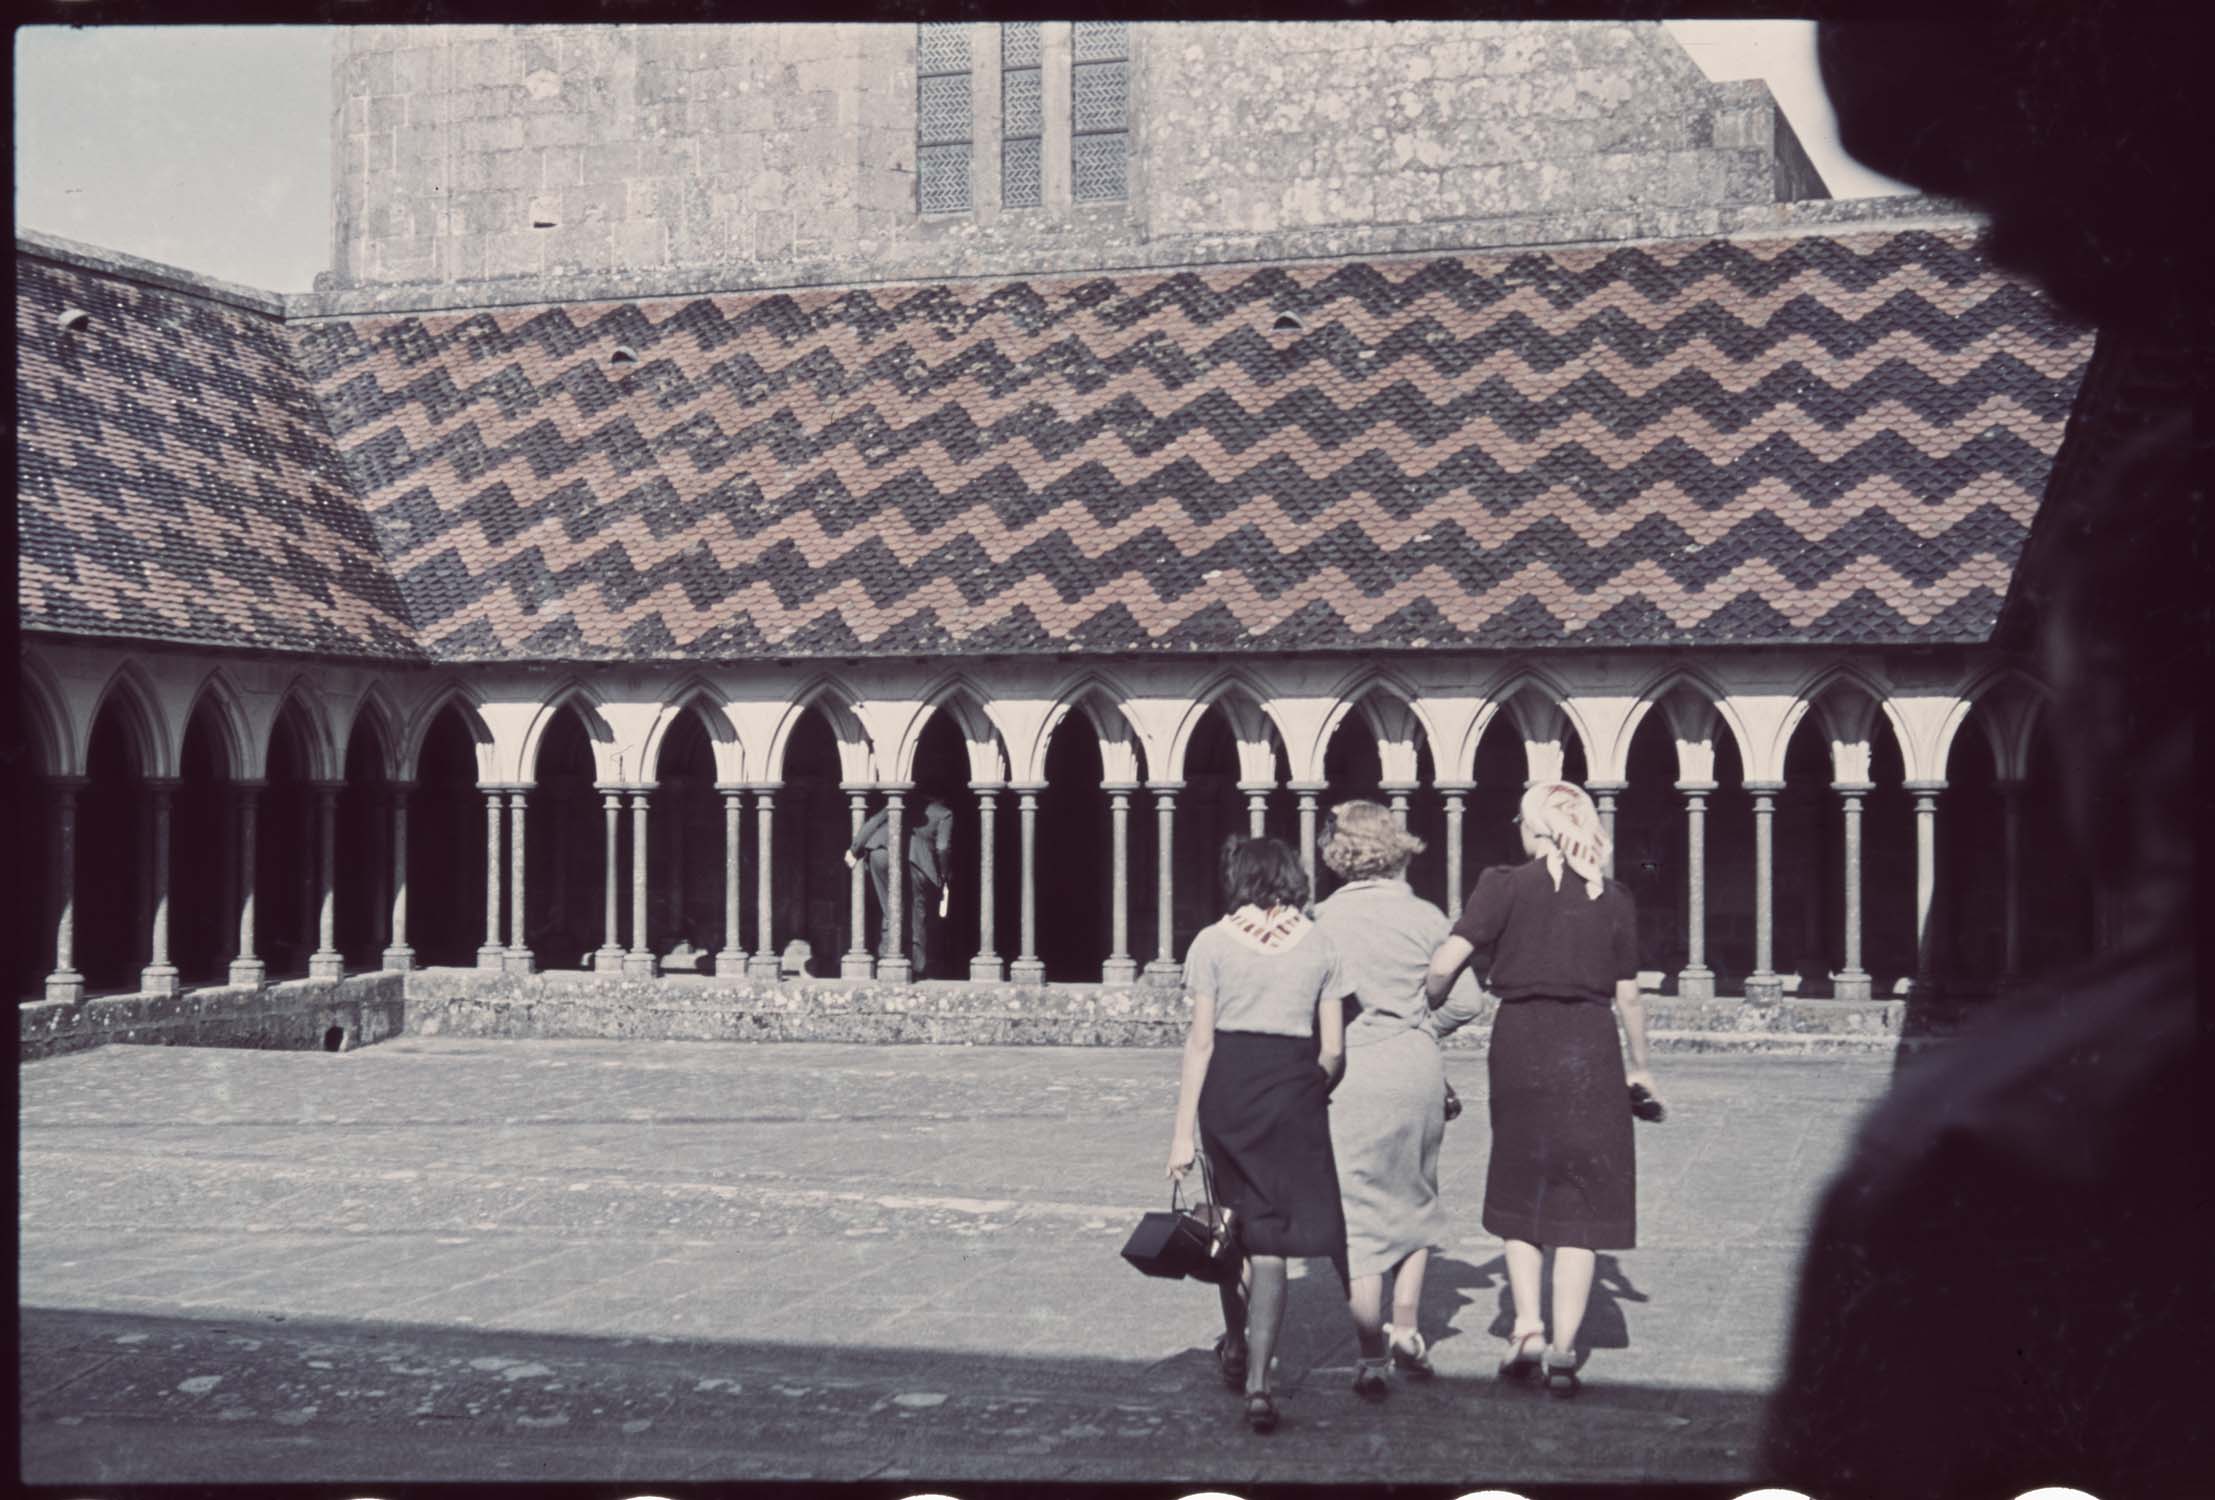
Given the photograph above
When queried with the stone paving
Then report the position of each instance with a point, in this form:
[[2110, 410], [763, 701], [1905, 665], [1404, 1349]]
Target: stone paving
[[442, 1259]]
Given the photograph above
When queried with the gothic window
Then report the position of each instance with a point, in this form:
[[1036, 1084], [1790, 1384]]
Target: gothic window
[[1099, 116], [942, 118], [1022, 115]]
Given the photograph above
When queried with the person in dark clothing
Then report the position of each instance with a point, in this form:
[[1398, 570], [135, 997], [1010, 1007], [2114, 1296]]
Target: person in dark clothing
[[930, 861], [2005, 1286], [1564, 1171]]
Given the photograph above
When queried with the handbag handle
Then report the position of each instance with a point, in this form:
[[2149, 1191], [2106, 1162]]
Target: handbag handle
[[1207, 1184]]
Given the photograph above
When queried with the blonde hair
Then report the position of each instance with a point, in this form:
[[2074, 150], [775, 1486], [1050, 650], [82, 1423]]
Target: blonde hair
[[1363, 841]]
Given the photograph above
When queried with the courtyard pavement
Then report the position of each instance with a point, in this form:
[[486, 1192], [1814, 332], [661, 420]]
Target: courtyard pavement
[[444, 1259]]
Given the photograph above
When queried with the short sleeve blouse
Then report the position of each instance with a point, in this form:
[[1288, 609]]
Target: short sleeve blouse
[[1271, 993]]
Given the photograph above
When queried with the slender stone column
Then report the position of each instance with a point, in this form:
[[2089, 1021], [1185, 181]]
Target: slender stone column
[[639, 962], [1456, 794], [399, 954], [1604, 794], [520, 959], [65, 983], [731, 961], [159, 977], [608, 957], [1926, 882], [1309, 794], [1120, 967], [1696, 981], [1852, 982], [1028, 967], [1396, 794], [324, 962], [2011, 810], [893, 963], [492, 952], [763, 963], [1762, 984], [1164, 967], [229, 894], [247, 968], [857, 962], [1257, 806], [985, 968]]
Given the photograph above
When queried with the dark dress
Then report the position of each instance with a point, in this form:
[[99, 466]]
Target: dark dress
[[1564, 1169]]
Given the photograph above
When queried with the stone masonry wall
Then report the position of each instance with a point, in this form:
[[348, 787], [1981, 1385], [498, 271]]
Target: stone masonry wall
[[295, 1016], [783, 154]]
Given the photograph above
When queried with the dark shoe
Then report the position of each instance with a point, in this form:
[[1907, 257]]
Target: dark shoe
[[1230, 1360], [1371, 1378], [1560, 1374], [1261, 1411], [1521, 1361]]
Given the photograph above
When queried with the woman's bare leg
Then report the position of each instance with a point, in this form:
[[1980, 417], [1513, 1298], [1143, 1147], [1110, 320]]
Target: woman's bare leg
[[1366, 1301], [1407, 1291], [1524, 1263], [1264, 1316], [1572, 1290]]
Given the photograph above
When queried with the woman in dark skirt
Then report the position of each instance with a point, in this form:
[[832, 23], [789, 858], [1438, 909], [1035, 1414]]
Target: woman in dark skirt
[[1563, 1169], [1266, 1044]]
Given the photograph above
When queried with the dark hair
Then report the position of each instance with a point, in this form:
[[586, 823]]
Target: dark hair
[[1261, 872]]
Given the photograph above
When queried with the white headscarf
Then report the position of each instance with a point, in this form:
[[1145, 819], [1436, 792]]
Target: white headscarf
[[1567, 826]]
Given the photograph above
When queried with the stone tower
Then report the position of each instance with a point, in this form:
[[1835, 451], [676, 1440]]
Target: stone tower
[[686, 157]]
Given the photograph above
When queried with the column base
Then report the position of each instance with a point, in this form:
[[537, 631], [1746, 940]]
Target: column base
[[1165, 974], [730, 964], [159, 979], [1027, 971], [1764, 989], [895, 971], [249, 973], [637, 965], [1852, 985], [607, 960], [492, 956], [65, 985], [987, 970], [400, 960], [763, 966], [1696, 983], [326, 965], [856, 966], [1119, 971], [519, 961]]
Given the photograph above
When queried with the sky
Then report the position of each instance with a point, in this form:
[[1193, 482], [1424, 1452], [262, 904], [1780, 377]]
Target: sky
[[208, 147]]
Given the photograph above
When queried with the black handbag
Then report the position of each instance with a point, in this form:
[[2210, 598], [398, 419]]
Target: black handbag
[[1199, 1241]]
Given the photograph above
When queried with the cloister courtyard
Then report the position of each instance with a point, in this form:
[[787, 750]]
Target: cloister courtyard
[[442, 1258]]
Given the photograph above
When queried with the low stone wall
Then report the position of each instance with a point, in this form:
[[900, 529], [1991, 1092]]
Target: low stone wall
[[300, 1015], [481, 1003]]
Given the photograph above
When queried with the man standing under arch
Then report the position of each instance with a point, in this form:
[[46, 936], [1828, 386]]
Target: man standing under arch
[[930, 859]]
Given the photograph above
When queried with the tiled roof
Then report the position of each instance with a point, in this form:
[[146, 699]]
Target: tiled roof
[[175, 480], [1803, 440]]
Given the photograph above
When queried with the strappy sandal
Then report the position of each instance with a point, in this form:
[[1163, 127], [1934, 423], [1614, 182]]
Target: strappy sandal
[[1230, 1361], [1261, 1411], [1409, 1351], [1372, 1377], [1560, 1379], [1518, 1363]]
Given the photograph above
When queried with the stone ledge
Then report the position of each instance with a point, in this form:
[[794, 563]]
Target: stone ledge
[[296, 1015]]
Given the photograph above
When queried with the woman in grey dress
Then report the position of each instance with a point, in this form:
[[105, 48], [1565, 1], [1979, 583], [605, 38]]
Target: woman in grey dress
[[1264, 1049], [1387, 1114]]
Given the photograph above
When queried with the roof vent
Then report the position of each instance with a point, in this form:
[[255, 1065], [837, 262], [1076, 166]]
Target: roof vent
[[73, 320], [624, 355], [1288, 323]]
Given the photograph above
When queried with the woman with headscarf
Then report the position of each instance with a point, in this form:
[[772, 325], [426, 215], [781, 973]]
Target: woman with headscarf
[[1388, 1112], [1265, 1047], [1561, 941]]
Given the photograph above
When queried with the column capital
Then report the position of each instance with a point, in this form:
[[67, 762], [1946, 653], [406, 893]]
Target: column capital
[[1124, 787], [731, 788], [1164, 786], [765, 788], [1925, 788], [988, 788], [1452, 787], [1308, 788], [1607, 788], [1257, 788], [1028, 788], [1698, 788], [171, 783], [1853, 788], [1763, 788], [895, 788], [850, 788]]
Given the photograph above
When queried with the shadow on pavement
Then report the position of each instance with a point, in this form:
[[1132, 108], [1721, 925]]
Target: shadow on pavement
[[120, 1398]]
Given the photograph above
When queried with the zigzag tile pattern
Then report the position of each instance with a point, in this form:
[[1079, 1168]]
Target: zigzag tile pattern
[[176, 480], [1818, 440]]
